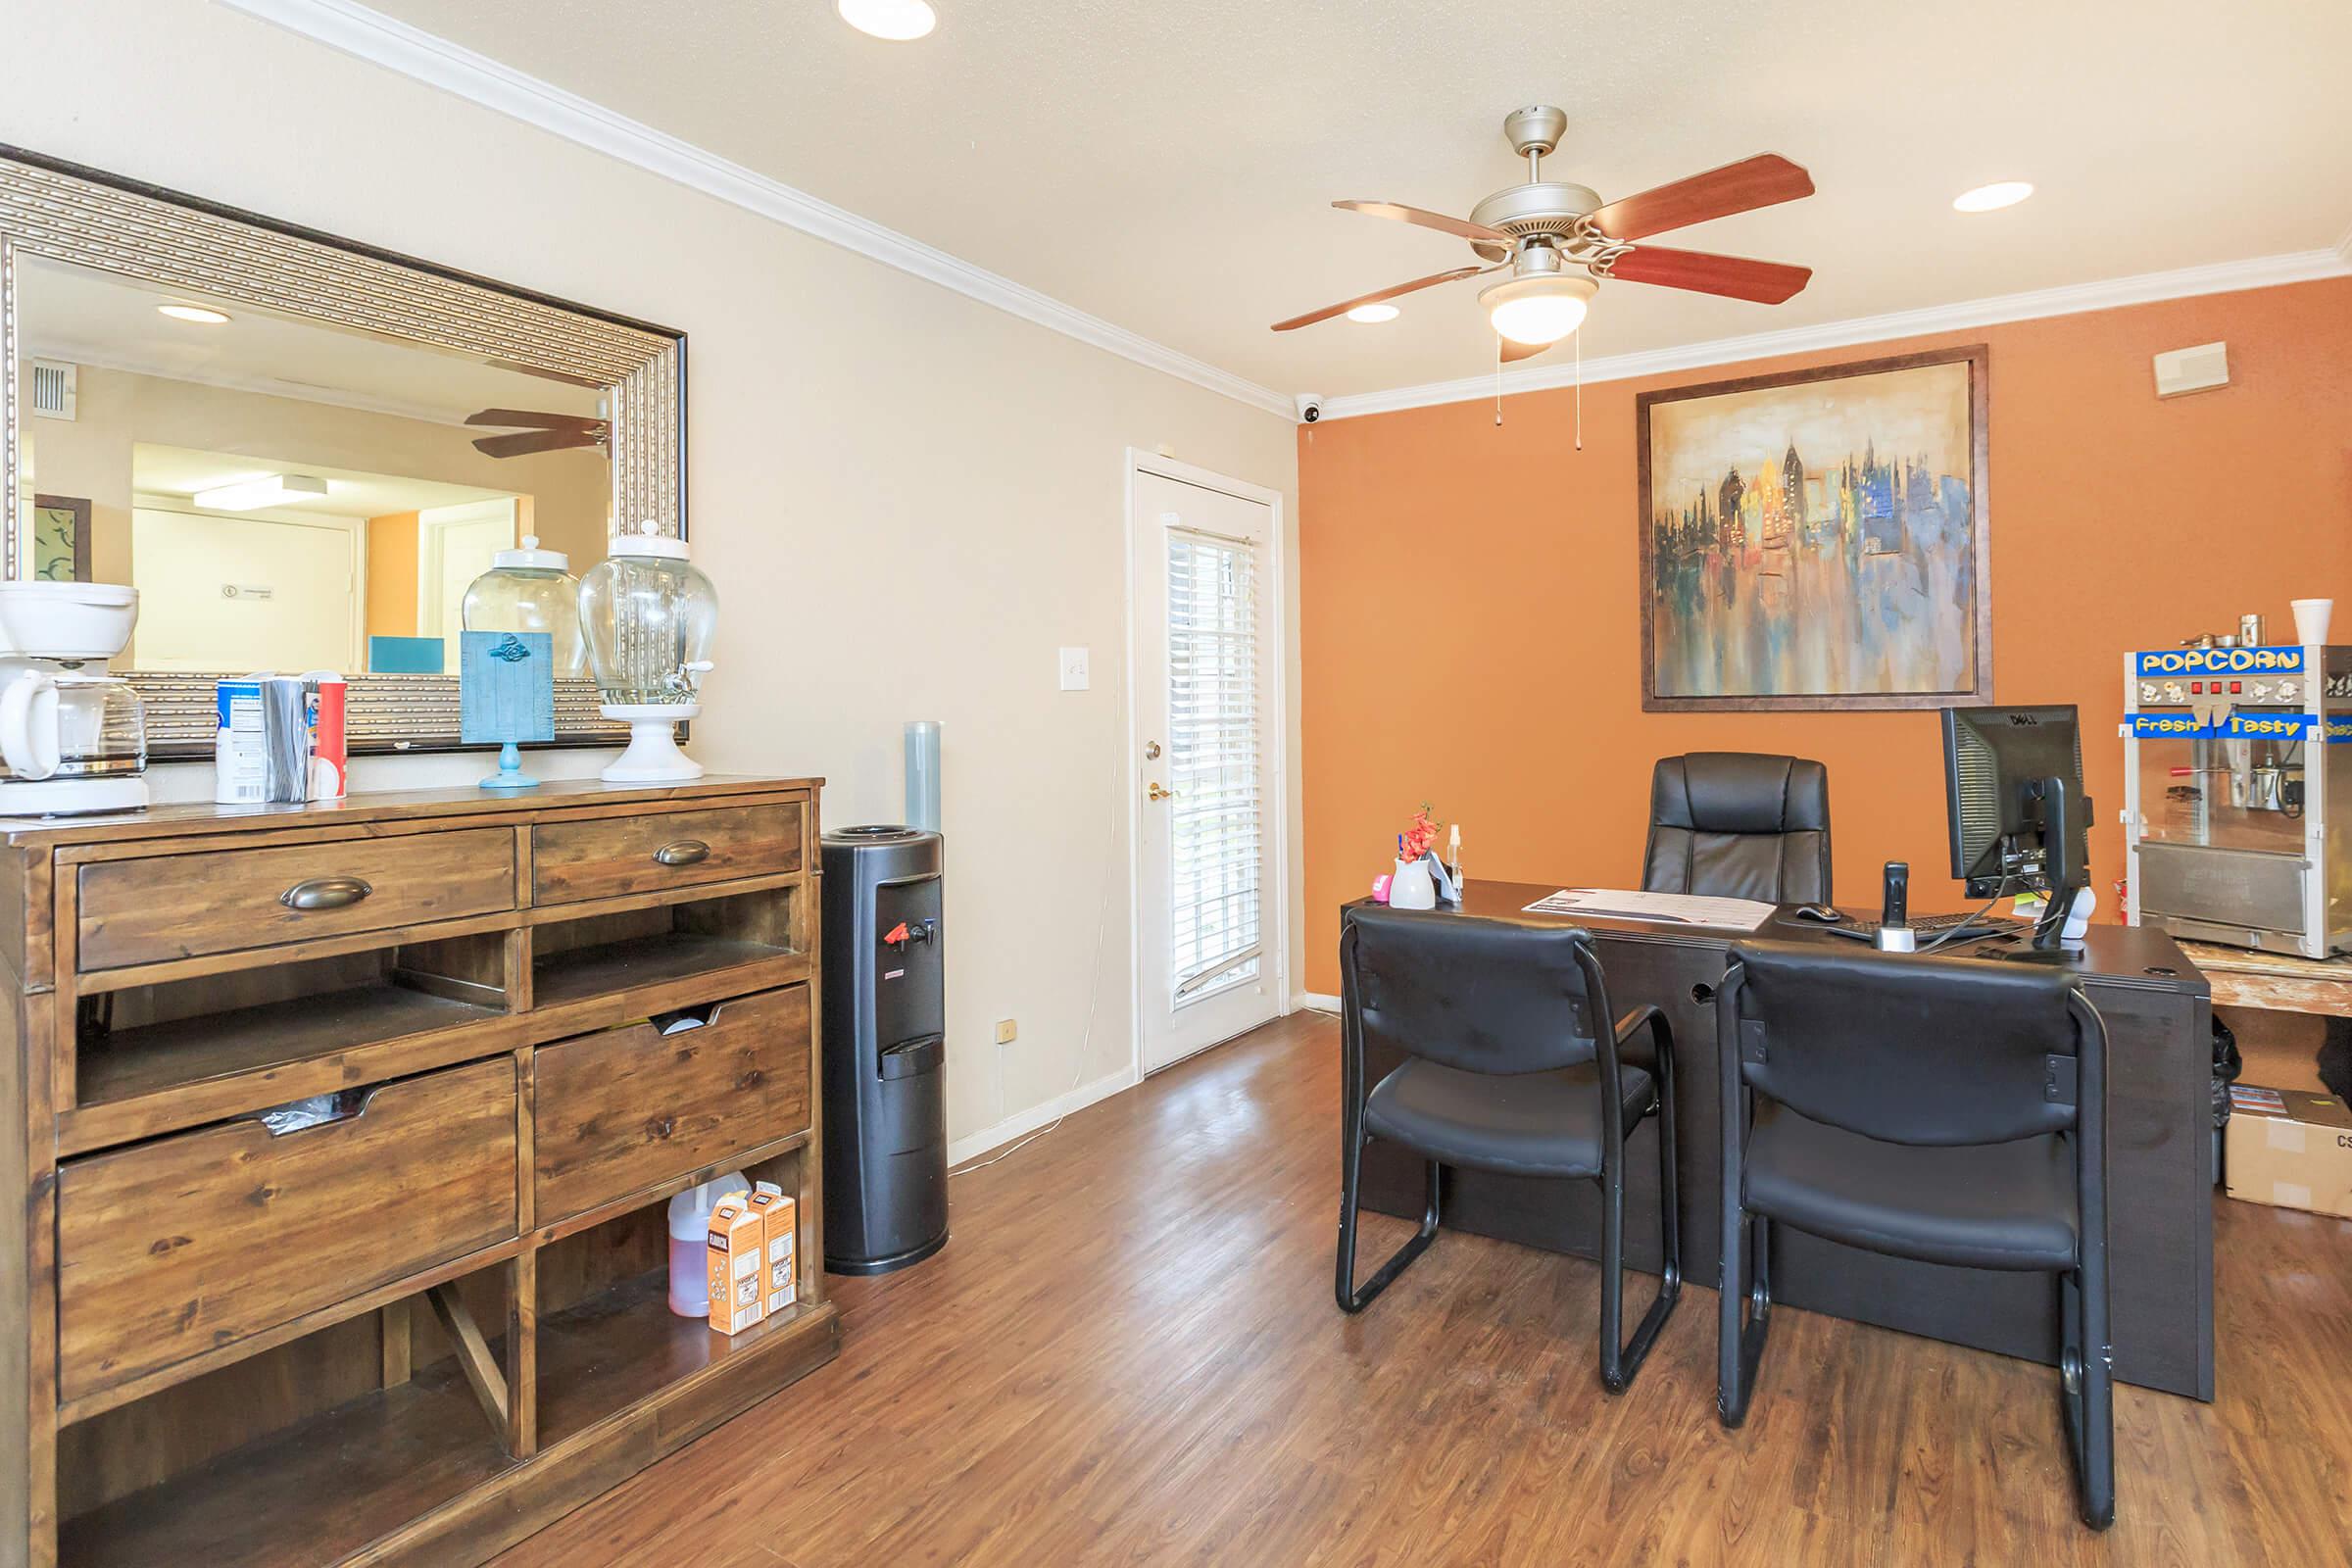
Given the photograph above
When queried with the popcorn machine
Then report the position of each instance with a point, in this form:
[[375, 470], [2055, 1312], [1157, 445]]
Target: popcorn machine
[[2234, 819]]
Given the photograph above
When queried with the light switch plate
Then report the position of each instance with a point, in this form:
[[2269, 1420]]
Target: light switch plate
[[1076, 672]]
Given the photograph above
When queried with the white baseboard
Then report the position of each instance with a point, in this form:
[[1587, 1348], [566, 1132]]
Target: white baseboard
[[1035, 1117], [1319, 1001]]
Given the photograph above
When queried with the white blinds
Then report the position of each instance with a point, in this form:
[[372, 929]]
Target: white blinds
[[1213, 763]]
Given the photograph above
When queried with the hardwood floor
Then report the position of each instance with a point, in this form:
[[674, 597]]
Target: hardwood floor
[[1129, 1354]]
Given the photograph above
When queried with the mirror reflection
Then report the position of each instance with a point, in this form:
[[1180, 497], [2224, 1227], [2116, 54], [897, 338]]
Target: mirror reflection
[[283, 493]]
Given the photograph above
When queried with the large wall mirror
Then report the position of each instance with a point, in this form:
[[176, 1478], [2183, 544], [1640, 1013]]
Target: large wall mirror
[[301, 450]]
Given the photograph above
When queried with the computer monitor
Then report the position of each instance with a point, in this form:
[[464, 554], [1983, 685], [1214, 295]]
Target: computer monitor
[[2020, 822]]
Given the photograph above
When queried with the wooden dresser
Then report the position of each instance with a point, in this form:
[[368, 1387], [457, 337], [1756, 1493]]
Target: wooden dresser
[[424, 1326]]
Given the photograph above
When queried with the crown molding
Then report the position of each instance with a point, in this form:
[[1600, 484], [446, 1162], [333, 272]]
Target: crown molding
[[381, 40], [2222, 277]]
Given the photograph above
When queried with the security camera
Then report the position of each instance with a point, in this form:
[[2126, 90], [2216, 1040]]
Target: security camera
[[1310, 405]]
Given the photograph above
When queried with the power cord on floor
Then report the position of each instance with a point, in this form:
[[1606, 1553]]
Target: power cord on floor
[[1094, 998]]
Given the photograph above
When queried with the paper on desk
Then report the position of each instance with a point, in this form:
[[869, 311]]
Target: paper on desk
[[1666, 908]]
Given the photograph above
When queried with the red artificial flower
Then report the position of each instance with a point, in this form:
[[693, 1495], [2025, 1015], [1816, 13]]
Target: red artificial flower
[[1420, 835]]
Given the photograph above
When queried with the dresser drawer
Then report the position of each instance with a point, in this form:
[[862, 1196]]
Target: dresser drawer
[[620, 1110], [185, 906], [179, 1245], [605, 856]]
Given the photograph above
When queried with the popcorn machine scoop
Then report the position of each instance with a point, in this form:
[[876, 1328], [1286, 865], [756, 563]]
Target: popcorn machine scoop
[[2234, 818]]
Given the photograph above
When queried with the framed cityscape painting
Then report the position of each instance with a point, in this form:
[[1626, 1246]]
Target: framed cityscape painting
[[1816, 539]]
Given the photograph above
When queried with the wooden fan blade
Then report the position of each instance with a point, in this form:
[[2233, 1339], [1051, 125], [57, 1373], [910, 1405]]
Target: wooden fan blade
[[1375, 296], [1763, 180], [1514, 352], [529, 441], [1734, 277], [533, 419], [1429, 219]]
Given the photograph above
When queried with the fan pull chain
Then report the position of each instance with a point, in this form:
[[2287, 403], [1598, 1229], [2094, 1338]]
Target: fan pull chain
[[1499, 380], [1579, 391]]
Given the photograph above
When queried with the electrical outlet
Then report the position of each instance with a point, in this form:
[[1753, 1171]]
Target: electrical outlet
[[1076, 676], [1006, 1031]]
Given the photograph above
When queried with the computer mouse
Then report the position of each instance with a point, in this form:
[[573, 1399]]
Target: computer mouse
[[1819, 912]]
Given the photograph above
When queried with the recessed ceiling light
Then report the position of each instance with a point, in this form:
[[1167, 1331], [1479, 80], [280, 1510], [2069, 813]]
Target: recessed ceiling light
[[274, 490], [895, 19], [1373, 313], [1989, 198], [194, 312]]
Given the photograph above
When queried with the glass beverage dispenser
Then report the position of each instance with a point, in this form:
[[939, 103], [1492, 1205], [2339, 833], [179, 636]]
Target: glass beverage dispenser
[[648, 616], [531, 590]]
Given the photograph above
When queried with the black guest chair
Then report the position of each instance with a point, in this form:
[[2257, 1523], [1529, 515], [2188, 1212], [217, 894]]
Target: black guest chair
[[1739, 825], [1514, 1064], [1949, 1110]]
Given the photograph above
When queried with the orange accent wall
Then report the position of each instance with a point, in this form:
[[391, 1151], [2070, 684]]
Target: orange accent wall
[[1469, 623], [392, 575]]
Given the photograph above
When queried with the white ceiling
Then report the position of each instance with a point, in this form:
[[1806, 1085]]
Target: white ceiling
[[91, 317], [350, 492], [1168, 167]]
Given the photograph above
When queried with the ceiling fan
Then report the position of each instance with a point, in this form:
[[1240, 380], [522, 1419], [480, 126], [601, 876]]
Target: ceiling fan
[[534, 431], [1559, 240]]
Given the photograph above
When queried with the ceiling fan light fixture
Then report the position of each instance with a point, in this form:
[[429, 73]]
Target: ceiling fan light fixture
[[1371, 315], [1538, 311], [897, 20], [1993, 198]]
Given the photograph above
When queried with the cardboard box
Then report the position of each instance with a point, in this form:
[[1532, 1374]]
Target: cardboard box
[[2290, 1149], [738, 1248], [782, 1215]]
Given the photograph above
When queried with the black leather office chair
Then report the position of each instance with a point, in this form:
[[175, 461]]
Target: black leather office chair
[[1945, 1109], [1739, 825], [1513, 1066]]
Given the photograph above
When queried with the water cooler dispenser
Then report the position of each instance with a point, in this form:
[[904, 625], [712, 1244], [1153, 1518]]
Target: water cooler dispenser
[[886, 1108]]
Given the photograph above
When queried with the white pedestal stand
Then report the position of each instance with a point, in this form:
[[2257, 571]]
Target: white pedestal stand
[[652, 757]]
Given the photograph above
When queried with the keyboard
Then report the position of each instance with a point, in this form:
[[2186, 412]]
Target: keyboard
[[1944, 922], [1926, 925]]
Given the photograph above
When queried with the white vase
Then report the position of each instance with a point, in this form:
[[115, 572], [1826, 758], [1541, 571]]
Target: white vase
[[1412, 887]]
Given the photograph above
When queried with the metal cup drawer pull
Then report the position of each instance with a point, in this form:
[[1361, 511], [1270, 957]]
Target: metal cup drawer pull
[[686, 852], [325, 892]]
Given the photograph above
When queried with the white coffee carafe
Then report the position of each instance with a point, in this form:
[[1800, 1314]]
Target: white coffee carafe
[[72, 738]]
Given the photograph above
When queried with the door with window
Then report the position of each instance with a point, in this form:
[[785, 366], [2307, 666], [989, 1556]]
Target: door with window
[[1209, 916]]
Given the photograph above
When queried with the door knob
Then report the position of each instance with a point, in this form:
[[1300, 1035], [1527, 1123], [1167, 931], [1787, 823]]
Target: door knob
[[1158, 794]]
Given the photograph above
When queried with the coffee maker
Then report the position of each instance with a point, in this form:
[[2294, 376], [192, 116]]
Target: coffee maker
[[72, 738]]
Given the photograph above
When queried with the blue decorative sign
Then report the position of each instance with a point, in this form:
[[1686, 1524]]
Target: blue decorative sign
[[2218, 661], [506, 687]]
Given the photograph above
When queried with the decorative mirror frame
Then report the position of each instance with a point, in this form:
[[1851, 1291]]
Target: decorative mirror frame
[[64, 211]]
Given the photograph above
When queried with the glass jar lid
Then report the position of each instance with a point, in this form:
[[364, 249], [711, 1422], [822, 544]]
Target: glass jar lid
[[530, 558]]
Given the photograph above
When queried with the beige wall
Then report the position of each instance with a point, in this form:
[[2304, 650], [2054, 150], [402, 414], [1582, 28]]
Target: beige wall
[[908, 499]]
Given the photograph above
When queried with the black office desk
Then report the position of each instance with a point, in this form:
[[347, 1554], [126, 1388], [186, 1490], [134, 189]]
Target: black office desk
[[2160, 1185]]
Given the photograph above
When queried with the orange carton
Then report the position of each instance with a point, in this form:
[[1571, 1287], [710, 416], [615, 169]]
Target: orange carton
[[738, 1244], [782, 1215]]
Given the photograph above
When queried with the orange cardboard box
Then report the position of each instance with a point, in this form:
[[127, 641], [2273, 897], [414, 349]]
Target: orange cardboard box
[[783, 1230], [738, 1247]]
